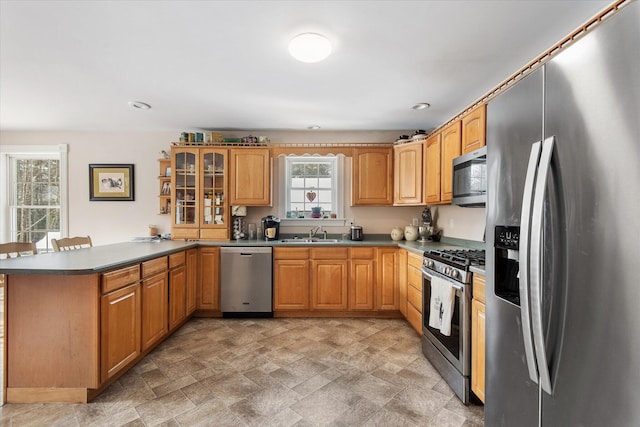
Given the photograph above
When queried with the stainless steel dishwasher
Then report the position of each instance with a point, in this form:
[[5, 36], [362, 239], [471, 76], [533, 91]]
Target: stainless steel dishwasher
[[246, 286]]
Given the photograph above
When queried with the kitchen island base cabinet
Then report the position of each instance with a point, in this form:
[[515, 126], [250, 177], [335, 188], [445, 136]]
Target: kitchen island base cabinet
[[58, 347], [155, 309], [119, 330]]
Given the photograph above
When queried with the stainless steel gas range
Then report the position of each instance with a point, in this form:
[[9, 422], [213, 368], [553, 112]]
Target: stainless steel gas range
[[450, 354]]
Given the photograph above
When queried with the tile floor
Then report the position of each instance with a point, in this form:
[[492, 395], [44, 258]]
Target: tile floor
[[271, 372]]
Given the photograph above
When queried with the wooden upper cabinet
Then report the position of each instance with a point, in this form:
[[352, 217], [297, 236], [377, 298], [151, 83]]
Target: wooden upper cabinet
[[250, 176], [408, 174], [372, 177], [474, 129], [451, 143], [432, 180]]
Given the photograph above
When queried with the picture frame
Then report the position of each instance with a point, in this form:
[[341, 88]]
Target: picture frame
[[166, 188], [167, 171], [111, 182]]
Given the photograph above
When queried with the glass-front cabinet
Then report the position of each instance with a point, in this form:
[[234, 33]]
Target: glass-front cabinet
[[199, 193]]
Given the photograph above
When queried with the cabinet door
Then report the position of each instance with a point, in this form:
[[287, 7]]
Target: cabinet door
[[372, 177], [192, 278], [177, 297], [361, 284], [451, 137], [329, 284], [185, 165], [250, 176], [402, 280], [208, 286], [387, 295], [155, 309], [477, 348], [433, 180], [213, 195], [408, 174], [474, 129], [291, 284], [119, 330]]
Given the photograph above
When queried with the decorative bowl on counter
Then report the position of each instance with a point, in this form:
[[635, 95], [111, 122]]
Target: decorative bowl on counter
[[411, 233], [397, 234]]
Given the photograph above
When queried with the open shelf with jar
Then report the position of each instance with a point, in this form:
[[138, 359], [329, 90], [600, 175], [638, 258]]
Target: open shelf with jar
[[164, 187]]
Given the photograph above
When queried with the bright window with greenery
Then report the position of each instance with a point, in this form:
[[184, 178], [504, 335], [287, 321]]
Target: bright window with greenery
[[311, 187], [34, 195]]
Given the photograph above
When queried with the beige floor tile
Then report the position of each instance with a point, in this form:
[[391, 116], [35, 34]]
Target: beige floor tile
[[272, 372]]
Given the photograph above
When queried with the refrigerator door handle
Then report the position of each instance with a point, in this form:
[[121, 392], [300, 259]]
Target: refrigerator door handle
[[536, 273], [525, 231]]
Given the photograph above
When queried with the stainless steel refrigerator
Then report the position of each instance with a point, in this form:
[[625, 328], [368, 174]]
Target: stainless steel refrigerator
[[563, 237]]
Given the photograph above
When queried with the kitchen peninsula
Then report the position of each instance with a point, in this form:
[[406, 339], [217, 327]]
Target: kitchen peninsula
[[78, 320]]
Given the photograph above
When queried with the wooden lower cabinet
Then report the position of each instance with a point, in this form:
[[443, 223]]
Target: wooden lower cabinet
[[291, 278], [414, 291], [402, 280], [362, 278], [120, 320], [177, 297], [478, 319], [387, 292], [208, 285], [329, 280], [192, 280], [155, 309]]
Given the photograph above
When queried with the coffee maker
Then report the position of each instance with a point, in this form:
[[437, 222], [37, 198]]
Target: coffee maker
[[270, 228]]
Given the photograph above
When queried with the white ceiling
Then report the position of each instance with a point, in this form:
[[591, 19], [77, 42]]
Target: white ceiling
[[220, 65]]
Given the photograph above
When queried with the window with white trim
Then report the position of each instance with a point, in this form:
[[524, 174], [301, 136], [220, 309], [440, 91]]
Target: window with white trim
[[312, 187], [34, 194]]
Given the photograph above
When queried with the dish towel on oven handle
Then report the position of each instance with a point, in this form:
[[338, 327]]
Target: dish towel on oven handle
[[441, 305]]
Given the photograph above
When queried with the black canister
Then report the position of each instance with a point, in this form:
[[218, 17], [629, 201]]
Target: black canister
[[356, 232], [270, 228]]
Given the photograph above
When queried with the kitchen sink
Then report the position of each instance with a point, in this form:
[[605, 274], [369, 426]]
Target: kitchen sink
[[309, 240]]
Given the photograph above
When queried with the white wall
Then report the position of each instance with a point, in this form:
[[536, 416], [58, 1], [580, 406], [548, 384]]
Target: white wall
[[109, 222]]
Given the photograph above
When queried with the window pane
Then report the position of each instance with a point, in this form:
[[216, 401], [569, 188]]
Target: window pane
[[297, 182], [324, 169], [324, 196], [324, 183], [297, 196], [311, 182]]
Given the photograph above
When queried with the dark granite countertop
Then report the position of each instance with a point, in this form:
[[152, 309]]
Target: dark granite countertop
[[99, 259]]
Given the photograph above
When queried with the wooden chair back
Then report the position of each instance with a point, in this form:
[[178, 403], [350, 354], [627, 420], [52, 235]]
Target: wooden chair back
[[71, 243], [16, 249]]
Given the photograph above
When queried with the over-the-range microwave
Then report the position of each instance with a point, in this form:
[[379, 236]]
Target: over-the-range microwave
[[470, 179]]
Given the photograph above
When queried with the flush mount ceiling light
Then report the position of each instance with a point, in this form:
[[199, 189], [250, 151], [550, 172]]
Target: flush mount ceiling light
[[314, 127], [139, 105], [420, 106], [309, 47]]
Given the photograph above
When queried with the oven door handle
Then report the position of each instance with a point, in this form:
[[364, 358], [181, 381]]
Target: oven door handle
[[525, 234], [454, 285]]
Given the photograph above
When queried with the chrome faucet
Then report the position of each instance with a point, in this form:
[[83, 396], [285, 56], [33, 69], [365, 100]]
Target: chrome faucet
[[314, 231]]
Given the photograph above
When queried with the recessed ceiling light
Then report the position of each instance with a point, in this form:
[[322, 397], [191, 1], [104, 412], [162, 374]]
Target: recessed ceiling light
[[420, 106], [309, 47], [314, 127], [139, 105]]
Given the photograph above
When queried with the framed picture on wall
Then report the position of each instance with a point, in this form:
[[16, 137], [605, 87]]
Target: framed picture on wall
[[111, 182]]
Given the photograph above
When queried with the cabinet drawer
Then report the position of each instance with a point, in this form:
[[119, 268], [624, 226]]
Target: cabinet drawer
[[479, 287], [362, 253], [415, 298], [328, 253], [149, 268], [177, 259], [414, 260], [290, 253], [414, 278], [415, 318], [119, 278]]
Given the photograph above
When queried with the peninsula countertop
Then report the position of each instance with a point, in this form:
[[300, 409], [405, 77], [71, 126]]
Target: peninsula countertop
[[98, 259]]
